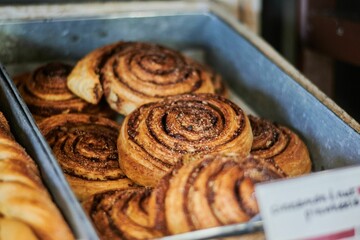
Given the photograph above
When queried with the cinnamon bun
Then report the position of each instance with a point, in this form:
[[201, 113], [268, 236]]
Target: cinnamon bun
[[85, 147], [209, 191], [281, 146], [156, 135], [122, 214], [131, 74], [45, 92]]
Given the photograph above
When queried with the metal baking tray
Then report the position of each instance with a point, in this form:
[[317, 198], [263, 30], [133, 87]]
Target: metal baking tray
[[256, 74]]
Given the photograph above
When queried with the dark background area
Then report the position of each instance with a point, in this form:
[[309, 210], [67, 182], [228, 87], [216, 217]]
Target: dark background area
[[321, 38]]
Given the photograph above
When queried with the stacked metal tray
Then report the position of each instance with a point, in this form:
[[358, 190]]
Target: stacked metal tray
[[255, 73]]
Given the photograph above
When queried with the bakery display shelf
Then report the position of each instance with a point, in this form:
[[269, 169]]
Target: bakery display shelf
[[262, 81]]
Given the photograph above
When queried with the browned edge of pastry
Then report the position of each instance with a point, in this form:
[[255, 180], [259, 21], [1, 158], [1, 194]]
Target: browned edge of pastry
[[280, 145]]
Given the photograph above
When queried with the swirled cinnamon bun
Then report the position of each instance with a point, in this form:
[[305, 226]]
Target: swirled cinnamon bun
[[281, 145], [45, 92], [155, 136], [131, 74], [209, 191], [121, 214], [26, 208], [85, 147]]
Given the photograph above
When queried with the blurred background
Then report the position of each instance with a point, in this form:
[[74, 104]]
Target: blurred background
[[321, 38]]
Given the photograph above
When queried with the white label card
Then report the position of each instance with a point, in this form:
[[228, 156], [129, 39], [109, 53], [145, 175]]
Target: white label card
[[319, 206]]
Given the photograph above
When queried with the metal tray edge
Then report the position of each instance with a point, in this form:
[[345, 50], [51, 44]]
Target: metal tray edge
[[93, 9]]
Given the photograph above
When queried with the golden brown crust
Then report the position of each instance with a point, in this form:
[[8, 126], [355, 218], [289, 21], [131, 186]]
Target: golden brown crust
[[84, 79], [121, 214], [131, 74], [83, 188], [45, 92], [155, 136], [19, 168], [15, 229], [209, 191], [281, 145], [33, 207], [26, 208], [85, 147]]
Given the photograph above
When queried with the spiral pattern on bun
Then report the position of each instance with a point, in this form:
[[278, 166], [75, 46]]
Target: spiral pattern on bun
[[156, 135], [131, 74], [85, 147], [209, 191], [281, 146], [45, 92], [121, 214]]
